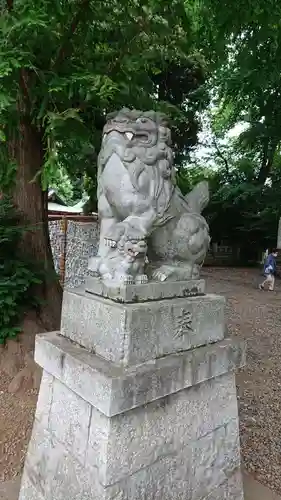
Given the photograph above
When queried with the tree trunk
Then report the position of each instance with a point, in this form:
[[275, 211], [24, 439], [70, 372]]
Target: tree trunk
[[267, 162], [27, 151]]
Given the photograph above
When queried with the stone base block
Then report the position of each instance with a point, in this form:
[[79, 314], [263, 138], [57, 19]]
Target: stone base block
[[53, 473], [130, 334], [166, 430], [114, 389], [146, 292]]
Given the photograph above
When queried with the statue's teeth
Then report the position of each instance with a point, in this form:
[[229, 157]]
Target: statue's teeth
[[129, 135]]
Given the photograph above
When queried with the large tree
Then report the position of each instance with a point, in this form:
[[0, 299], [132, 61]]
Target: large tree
[[247, 76], [64, 64]]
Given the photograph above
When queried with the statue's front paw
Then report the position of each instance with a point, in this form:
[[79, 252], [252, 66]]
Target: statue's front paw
[[128, 280], [158, 275], [141, 279], [107, 277], [163, 272]]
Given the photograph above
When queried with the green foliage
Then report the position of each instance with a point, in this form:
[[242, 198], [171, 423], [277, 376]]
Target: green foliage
[[65, 64], [241, 212], [188, 177], [60, 181], [244, 39], [17, 275], [247, 78]]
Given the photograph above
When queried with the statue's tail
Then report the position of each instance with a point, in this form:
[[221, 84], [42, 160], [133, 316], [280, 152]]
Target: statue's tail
[[198, 198]]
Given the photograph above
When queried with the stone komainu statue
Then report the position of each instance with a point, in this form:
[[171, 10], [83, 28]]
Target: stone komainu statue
[[139, 202]]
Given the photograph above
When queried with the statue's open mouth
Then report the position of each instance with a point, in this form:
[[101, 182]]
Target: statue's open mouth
[[135, 253], [132, 137], [139, 137], [139, 250]]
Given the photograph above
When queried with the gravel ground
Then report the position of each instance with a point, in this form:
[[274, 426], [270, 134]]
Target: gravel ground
[[255, 316], [16, 419], [251, 315]]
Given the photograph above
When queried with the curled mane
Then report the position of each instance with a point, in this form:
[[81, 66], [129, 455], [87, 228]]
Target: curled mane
[[150, 161]]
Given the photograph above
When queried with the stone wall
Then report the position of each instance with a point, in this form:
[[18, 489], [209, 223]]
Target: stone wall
[[81, 243]]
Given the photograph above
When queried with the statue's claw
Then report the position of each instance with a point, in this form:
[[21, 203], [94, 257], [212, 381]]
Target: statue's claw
[[159, 276], [141, 279], [110, 243], [128, 280]]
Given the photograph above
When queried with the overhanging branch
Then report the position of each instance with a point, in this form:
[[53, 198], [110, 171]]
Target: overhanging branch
[[221, 156], [23, 72], [61, 54]]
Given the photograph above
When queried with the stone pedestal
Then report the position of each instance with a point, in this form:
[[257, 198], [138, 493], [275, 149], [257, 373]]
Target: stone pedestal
[[137, 400]]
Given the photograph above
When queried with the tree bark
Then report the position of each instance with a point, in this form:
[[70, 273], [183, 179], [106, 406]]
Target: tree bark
[[28, 152]]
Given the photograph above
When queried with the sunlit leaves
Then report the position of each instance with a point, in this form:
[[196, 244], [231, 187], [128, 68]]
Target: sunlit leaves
[[66, 63], [248, 76]]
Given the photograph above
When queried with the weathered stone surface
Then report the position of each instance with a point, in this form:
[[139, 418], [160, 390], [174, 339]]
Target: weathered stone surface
[[121, 445], [145, 292], [56, 240], [69, 420], [143, 424], [81, 243], [30, 489], [45, 398], [231, 489], [182, 476], [56, 474], [214, 457], [107, 432], [145, 205], [134, 333], [113, 390]]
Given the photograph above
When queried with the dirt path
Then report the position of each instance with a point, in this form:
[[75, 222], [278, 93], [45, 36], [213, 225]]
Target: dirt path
[[251, 315], [16, 418]]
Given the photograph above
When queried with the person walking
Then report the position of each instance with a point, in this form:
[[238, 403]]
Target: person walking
[[269, 270]]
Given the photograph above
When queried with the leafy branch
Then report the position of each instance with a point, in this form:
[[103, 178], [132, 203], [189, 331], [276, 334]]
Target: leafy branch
[[61, 54]]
